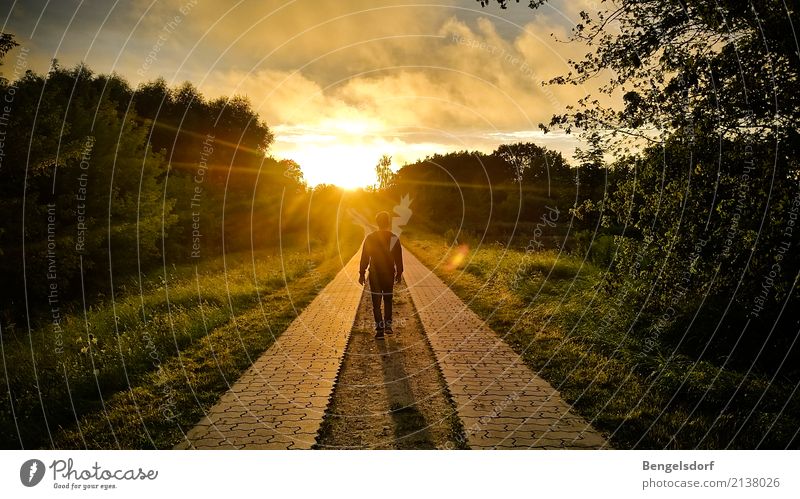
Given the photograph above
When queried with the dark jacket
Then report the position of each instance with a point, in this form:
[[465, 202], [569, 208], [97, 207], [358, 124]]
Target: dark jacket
[[383, 255]]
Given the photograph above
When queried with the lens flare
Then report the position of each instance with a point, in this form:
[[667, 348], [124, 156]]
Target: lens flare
[[457, 257]]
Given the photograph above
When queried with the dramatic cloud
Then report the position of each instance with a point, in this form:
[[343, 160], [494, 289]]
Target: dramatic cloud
[[341, 83]]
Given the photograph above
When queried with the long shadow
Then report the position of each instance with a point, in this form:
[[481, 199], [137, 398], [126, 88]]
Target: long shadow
[[410, 426]]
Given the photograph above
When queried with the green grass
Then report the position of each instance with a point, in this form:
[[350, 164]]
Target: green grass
[[140, 372], [552, 310]]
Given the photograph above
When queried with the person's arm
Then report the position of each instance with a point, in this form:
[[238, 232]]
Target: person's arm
[[362, 267], [397, 254]]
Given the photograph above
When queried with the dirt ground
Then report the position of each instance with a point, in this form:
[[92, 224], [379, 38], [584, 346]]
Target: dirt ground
[[389, 394]]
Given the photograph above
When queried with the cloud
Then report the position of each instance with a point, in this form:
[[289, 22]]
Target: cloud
[[335, 86], [404, 76], [452, 65]]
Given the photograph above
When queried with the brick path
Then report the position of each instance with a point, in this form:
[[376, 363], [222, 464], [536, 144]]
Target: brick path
[[502, 403], [279, 402]]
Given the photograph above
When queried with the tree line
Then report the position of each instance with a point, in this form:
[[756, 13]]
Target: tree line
[[695, 219], [104, 183], [499, 196], [705, 196]]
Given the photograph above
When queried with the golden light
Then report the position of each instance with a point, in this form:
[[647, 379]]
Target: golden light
[[344, 152], [345, 165], [457, 257], [341, 152]]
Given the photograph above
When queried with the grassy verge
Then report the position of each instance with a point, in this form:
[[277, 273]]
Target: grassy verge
[[551, 310], [139, 373]]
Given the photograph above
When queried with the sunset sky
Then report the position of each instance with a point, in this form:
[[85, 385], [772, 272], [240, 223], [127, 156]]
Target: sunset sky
[[339, 83]]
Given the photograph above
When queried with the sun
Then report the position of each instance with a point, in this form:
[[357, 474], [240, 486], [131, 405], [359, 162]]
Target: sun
[[343, 165], [341, 152]]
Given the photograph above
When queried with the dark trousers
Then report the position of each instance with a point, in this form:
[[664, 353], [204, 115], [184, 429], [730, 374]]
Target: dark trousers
[[381, 290]]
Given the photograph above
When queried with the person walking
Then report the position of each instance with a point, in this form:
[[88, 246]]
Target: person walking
[[383, 256]]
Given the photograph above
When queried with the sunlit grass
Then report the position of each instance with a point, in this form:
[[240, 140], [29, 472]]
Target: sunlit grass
[[551, 309], [157, 358]]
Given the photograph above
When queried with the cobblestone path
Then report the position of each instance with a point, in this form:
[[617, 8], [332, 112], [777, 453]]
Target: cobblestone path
[[501, 402], [279, 402]]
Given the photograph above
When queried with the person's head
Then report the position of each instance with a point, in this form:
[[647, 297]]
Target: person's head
[[383, 220]]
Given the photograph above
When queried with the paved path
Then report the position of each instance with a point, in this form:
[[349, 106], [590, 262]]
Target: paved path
[[502, 403], [279, 402]]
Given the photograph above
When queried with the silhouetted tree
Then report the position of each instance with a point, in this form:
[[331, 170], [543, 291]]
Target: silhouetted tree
[[706, 169], [383, 171]]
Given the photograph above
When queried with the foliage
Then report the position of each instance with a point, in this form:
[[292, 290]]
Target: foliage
[[6, 43], [383, 171], [103, 182], [551, 308], [82, 183], [122, 370], [496, 194], [704, 194]]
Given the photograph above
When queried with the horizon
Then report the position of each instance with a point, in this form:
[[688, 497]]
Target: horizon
[[460, 79]]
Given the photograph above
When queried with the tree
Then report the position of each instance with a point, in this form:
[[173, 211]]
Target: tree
[[6, 44], [706, 170], [126, 183], [724, 66], [535, 164], [82, 182], [383, 171]]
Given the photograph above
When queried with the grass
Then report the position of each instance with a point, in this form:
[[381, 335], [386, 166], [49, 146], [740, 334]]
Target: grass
[[138, 372], [552, 310]]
